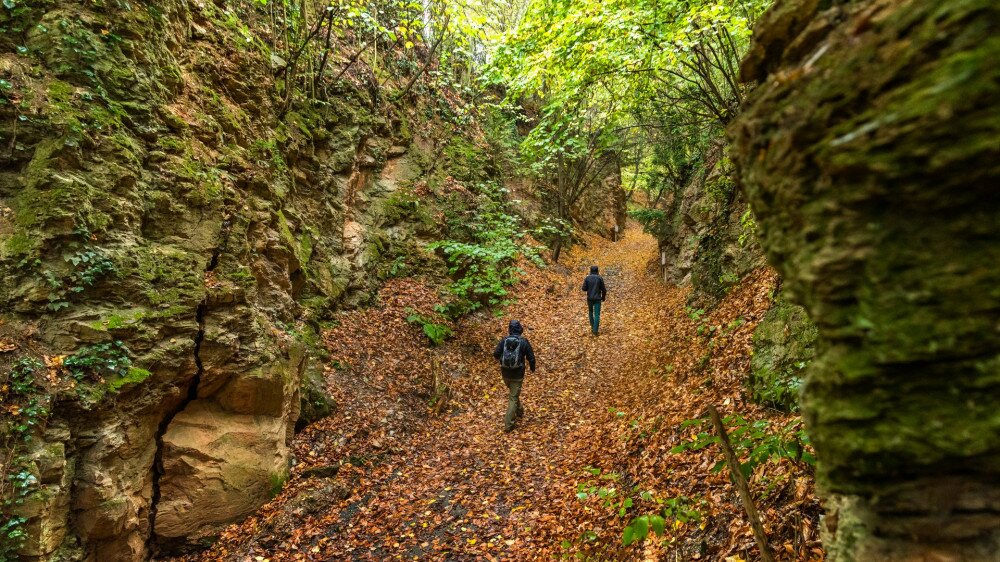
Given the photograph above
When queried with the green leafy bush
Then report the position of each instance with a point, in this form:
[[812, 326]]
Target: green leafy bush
[[550, 229], [484, 267], [758, 441], [653, 221], [435, 332]]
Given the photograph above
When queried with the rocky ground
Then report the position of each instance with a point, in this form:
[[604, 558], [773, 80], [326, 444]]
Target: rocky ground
[[389, 477]]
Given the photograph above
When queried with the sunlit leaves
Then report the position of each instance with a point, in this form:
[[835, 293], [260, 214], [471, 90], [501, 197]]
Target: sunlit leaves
[[608, 71]]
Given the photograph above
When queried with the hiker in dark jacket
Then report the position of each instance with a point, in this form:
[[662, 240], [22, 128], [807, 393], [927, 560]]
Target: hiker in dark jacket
[[593, 285], [512, 351]]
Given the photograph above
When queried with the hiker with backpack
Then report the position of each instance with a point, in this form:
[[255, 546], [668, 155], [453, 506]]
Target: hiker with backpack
[[593, 285], [512, 351]]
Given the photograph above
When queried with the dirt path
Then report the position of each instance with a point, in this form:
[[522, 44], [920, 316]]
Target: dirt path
[[457, 487], [488, 487]]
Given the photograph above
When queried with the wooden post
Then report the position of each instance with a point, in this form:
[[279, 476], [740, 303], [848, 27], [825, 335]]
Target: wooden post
[[743, 486], [616, 233], [663, 265]]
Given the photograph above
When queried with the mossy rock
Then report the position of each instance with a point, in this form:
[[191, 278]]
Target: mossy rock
[[316, 402], [869, 154], [783, 345], [135, 376]]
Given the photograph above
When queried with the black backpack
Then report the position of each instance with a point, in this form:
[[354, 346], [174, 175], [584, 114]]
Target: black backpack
[[511, 357]]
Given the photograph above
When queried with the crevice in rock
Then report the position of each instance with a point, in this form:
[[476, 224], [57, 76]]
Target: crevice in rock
[[152, 548]]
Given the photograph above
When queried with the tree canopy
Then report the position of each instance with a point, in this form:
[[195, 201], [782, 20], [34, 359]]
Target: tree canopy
[[615, 78]]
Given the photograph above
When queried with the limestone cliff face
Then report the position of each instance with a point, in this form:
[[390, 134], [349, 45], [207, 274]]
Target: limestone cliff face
[[155, 192], [869, 153]]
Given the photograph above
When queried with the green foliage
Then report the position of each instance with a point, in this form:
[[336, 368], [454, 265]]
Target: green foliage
[[21, 377], [99, 361], [758, 441], [25, 411], [653, 221], [435, 332], [12, 536], [602, 489], [778, 389], [600, 486], [625, 75], [396, 268], [87, 267], [680, 510], [484, 267], [483, 273], [748, 227], [550, 229]]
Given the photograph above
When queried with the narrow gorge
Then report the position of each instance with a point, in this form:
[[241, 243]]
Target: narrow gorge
[[255, 255]]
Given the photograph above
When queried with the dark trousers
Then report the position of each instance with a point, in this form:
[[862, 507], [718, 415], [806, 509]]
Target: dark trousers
[[594, 311], [514, 409]]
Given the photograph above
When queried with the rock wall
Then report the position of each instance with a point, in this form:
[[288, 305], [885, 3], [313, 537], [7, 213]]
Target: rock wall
[[783, 346], [869, 153], [163, 211], [602, 207], [705, 234]]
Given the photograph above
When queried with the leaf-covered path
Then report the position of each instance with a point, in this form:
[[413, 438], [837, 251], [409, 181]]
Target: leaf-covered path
[[382, 479]]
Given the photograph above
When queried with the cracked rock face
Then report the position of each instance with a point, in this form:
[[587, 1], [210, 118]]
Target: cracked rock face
[[869, 154], [225, 227]]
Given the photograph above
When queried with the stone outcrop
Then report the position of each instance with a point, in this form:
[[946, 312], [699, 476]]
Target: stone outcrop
[[602, 207], [705, 233], [157, 192], [783, 346], [869, 154], [218, 466]]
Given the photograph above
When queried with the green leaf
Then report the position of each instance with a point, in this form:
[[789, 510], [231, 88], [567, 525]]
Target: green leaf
[[641, 527], [627, 535], [658, 524]]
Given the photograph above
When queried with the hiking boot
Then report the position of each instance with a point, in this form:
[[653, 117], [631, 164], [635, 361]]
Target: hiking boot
[[507, 428]]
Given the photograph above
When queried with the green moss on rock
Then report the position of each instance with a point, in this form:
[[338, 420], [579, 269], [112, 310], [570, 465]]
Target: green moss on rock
[[869, 155], [783, 345]]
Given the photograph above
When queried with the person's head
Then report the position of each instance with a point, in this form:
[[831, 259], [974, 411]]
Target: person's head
[[593, 270], [515, 328]]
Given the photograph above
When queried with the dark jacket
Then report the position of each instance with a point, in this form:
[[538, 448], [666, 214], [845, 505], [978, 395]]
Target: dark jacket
[[526, 353], [593, 284]]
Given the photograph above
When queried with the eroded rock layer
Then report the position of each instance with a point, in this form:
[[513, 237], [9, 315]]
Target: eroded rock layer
[[869, 154]]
